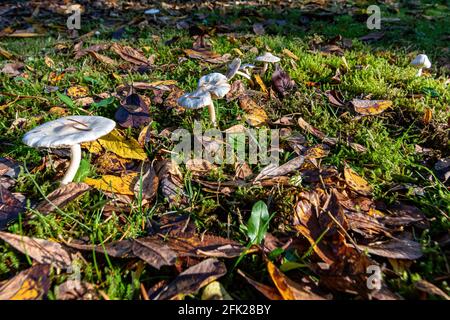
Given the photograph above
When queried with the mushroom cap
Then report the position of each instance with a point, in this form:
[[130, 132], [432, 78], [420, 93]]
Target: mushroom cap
[[215, 83], [421, 61], [233, 67], [268, 57], [151, 11], [68, 131], [195, 100], [246, 66]]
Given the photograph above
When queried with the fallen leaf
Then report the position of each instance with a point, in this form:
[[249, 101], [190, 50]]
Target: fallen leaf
[[6, 54], [427, 116], [430, 289], [43, 251], [150, 183], [268, 292], [281, 81], [131, 55], [49, 62], [102, 58], [370, 107], [154, 252], [77, 92], [255, 115], [356, 183], [205, 55], [200, 166], [260, 82], [373, 36], [133, 113], [13, 69], [395, 249], [61, 197], [289, 289], [127, 148], [271, 170], [192, 279], [76, 290], [10, 207], [215, 291], [114, 184], [170, 181], [9, 167], [30, 284], [290, 54]]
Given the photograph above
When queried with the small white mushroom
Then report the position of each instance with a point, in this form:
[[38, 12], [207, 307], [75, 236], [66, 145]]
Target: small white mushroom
[[420, 62], [152, 12], [197, 100], [267, 58], [69, 132], [215, 83], [233, 68], [245, 70]]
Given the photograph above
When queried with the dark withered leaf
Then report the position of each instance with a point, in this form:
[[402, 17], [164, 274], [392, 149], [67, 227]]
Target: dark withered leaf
[[30, 284], [10, 207], [281, 81], [133, 113], [62, 196]]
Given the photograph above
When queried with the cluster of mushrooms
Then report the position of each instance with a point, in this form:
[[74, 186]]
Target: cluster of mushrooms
[[70, 132], [215, 85]]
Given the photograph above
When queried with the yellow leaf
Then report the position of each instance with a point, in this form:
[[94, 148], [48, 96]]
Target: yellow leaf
[[24, 35], [290, 54], [261, 83], [116, 76], [55, 77], [123, 147], [427, 116], [370, 107], [356, 182], [27, 291], [114, 184], [255, 115], [57, 111], [6, 54], [239, 52], [93, 146], [77, 91], [280, 282], [49, 62]]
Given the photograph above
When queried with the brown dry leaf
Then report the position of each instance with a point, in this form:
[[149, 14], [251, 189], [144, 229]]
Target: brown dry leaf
[[127, 148], [373, 36], [43, 251], [116, 249], [205, 55], [255, 115], [171, 181], [102, 58], [62, 196], [370, 107], [427, 116], [30, 284], [402, 214], [272, 170], [133, 112], [150, 183], [260, 82], [356, 183], [131, 55], [289, 289], [192, 279], [200, 166], [395, 249], [431, 289], [13, 69], [94, 48], [49, 62], [243, 170], [114, 184], [268, 292], [316, 132], [76, 290], [77, 92], [154, 252], [10, 207], [9, 167], [334, 98], [281, 81]]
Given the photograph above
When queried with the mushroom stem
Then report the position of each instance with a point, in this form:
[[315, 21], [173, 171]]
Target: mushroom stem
[[264, 68], [75, 158], [244, 75], [419, 72], [212, 113]]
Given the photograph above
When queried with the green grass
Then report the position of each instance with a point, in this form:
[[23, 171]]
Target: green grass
[[383, 72]]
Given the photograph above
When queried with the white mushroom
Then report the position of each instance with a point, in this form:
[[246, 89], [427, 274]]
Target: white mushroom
[[233, 68], [69, 132], [197, 100], [421, 61], [215, 83], [152, 12], [267, 58]]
